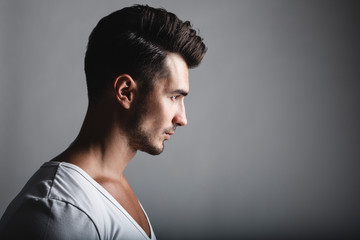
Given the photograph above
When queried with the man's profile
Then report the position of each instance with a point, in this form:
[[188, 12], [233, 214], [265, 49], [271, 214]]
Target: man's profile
[[136, 67]]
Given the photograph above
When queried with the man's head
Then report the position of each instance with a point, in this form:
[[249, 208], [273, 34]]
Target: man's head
[[144, 55], [136, 41]]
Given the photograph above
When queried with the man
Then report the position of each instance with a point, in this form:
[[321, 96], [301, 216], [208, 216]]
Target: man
[[136, 68]]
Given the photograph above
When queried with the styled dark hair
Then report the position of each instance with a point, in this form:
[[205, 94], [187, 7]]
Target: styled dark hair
[[135, 41]]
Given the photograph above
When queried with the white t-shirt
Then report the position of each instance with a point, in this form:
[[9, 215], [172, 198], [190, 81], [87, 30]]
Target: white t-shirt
[[61, 201]]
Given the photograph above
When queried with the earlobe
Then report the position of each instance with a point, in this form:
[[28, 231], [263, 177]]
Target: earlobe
[[125, 87]]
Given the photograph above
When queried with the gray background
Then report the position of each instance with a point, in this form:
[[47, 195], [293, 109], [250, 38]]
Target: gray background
[[272, 145]]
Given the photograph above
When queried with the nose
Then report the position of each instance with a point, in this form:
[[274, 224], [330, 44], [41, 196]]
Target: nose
[[180, 117]]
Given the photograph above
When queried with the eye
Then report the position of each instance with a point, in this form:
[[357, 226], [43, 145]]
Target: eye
[[174, 97]]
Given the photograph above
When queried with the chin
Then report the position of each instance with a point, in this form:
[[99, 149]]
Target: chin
[[153, 150]]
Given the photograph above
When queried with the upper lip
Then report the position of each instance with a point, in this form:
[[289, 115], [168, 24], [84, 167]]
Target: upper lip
[[170, 133]]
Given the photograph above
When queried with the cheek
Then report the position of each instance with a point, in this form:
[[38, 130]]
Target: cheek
[[153, 122], [159, 116], [167, 113]]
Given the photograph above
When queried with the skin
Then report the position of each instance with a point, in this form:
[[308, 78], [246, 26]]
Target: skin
[[124, 121], [163, 110]]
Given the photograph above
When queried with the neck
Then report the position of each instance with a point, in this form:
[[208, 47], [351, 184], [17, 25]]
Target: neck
[[101, 148]]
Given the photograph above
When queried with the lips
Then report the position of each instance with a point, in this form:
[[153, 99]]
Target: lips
[[168, 134]]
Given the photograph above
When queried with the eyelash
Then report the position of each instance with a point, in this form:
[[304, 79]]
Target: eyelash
[[174, 97]]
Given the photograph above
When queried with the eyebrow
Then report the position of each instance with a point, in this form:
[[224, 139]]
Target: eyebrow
[[180, 91]]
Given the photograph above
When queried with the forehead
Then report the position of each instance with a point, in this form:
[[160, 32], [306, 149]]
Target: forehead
[[178, 74]]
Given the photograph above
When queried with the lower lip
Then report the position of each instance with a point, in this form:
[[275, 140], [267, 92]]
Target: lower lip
[[167, 136]]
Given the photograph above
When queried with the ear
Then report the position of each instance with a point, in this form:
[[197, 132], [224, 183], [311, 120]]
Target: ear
[[125, 89]]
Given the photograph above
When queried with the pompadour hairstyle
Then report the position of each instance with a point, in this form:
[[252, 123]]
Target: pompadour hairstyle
[[135, 41]]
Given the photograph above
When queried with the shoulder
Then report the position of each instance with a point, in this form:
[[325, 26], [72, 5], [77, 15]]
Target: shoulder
[[47, 207], [47, 219]]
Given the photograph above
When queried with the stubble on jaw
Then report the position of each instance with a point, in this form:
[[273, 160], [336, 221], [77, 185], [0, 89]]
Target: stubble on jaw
[[139, 138]]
